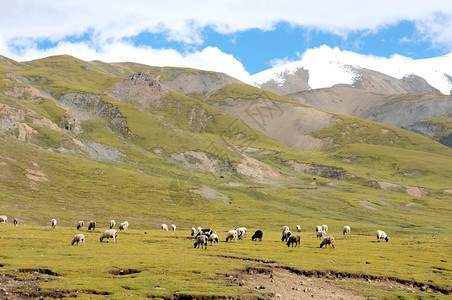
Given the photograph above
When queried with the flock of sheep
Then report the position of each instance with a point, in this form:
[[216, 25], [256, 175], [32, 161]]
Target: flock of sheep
[[205, 235]]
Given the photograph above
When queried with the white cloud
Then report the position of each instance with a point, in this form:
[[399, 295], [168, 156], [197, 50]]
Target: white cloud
[[26, 22]]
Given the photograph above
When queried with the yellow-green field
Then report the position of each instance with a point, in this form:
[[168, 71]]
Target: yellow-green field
[[168, 264]]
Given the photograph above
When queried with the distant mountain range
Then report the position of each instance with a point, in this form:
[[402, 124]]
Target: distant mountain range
[[410, 94]]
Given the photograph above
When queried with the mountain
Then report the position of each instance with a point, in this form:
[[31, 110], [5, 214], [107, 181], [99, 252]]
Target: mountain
[[325, 67], [417, 100], [99, 141]]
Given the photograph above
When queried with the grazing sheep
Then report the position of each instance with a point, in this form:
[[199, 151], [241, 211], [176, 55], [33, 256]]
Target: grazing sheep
[[382, 235], [257, 235], [318, 228], [112, 224], [165, 227], [321, 234], [16, 222], [109, 233], [293, 239], [285, 235], [298, 228], [173, 227], [324, 228], [193, 231], [329, 240], [205, 231], [213, 238], [80, 224], [53, 223], [3, 220], [241, 232], [346, 230], [232, 235], [79, 239], [201, 240], [92, 225], [124, 225]]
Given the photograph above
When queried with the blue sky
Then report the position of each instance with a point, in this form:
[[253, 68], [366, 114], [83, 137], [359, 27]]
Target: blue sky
[[239, 38]]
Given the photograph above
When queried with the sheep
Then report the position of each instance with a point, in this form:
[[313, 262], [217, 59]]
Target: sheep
[[124, 225], [318, 228], [257, 235], [165, 227], [173, 227], [79, 239], [232, 235], [329, 240], [213, 238], [109, 233], [53, 223], [3, 220], [298, 228], [80, 224], [293, 239], [205, 231], [324, 228], [92, 225], [382, 235], [201, 240], [321, 234], [112, 224], [286, 235], [241, 232], [193, 231], [285, 227], [16, 222], [346, 230]]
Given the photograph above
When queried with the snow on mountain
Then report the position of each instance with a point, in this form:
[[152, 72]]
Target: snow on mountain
[[330, 66]]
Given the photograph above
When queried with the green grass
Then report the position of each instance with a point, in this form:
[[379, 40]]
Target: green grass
[[169, 264]]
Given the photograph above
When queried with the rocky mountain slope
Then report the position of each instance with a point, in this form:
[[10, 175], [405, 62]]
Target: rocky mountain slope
[[417, 100]]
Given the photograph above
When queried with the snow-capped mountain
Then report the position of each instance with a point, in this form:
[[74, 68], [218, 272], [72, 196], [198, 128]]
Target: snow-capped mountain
[[325, 67]]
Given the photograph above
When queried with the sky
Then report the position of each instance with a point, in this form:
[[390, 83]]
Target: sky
[[236, 37]]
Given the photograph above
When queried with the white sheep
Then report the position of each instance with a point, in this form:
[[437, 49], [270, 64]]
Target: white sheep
[[324, 228], [321, 234], [112, 224], [193, 231], [201, 240], [285, 227], [124, 225], [3, 220], [232, 235], [213, 238], [298, 228], [346, 230], [329, 240], [79, 239], [16, 222], [165, 227], [109, 233], [285, 235], [80, 224], [318, 228], [53, 223], [382, 235], [241, 231], [173, 227]]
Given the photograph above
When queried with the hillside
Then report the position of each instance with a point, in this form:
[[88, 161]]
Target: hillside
[[151, 145]]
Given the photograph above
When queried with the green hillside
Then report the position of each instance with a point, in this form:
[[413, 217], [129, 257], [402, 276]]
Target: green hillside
[[72, 149]]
